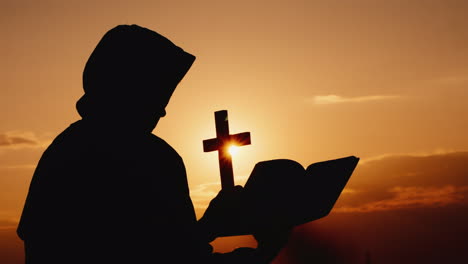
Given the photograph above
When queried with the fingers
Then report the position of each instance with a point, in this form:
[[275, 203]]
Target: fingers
[[228, 197]]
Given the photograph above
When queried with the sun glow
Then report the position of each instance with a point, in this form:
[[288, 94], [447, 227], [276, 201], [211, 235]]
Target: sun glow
[[233, 149]]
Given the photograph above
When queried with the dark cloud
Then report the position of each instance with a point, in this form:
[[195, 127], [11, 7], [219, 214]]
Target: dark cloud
[[427, 170], [414, 197], [398, 182]]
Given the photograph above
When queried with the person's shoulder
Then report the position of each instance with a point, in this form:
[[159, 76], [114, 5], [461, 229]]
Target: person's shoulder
[[156, 141], [64, 136], [161, 146]]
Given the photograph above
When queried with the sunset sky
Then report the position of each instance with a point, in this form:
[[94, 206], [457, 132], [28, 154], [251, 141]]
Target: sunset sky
[[386, 81]]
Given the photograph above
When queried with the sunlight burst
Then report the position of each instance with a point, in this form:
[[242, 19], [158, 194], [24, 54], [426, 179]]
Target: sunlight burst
[[232, 149]]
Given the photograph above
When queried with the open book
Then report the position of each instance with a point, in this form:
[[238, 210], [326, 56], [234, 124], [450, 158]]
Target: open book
[[282, 191]]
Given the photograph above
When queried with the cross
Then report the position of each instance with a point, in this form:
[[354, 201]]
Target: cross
[[221, 143]]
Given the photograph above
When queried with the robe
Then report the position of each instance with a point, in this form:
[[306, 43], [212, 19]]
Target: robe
[[99, 196]]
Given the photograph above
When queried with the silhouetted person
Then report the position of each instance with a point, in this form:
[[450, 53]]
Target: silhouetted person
[[109, 191]]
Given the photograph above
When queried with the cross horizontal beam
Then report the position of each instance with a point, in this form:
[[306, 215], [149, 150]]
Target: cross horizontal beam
[[213, 144]]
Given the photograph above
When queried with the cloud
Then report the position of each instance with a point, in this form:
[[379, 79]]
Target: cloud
[[435, 152], [415, 197], [19, 140], [7, 221], [202, 194], [454, 79], [407, 181], [336, 99], [18, 167]]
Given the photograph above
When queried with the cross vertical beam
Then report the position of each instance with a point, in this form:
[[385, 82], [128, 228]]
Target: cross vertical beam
[[221, 143], [225, 160]]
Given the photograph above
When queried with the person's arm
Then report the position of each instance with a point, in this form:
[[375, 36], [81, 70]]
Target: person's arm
[[225, 207]]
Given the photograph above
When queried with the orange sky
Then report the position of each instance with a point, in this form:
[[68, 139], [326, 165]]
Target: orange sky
[[311, 81]]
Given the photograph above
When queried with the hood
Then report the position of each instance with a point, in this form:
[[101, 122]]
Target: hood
[[133, 71]]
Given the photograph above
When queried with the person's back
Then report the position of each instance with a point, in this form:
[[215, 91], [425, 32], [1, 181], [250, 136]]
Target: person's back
[[101, 194]]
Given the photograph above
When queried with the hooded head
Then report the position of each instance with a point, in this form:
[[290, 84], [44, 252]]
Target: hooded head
[[130, 77]]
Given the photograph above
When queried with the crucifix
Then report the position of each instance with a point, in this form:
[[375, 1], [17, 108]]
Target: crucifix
[[221, 143]]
